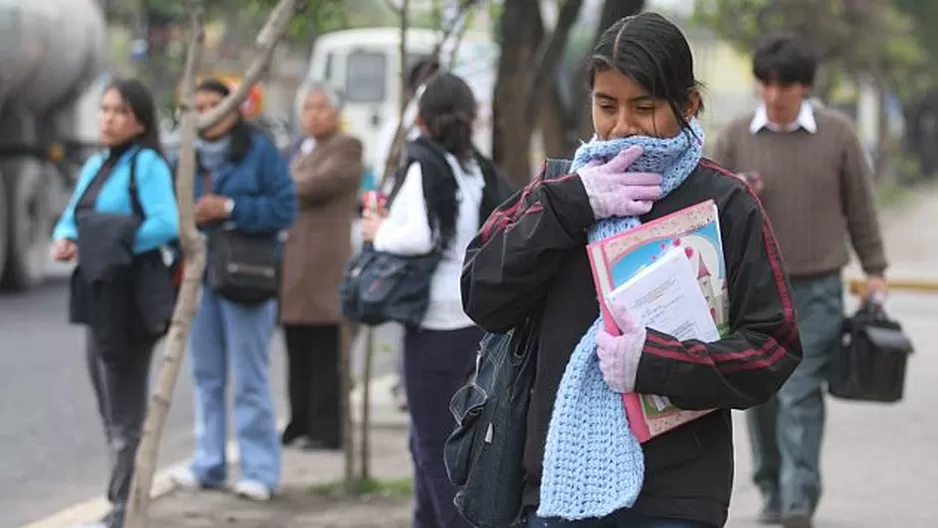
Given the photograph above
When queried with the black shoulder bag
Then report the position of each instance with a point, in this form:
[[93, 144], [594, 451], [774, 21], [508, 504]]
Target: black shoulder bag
[[153, 289], [484, 454], [242, 267], [122, 296], [379, 287]]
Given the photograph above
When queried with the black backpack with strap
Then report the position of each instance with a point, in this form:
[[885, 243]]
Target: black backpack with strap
[[484, 454]]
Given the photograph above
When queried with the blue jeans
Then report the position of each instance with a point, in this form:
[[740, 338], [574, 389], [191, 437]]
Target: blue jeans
[[621, 519], [786, 432], [227, 335]]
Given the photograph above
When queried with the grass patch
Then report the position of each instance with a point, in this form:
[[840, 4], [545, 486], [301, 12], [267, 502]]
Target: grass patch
[[891, 196], [364, 488]]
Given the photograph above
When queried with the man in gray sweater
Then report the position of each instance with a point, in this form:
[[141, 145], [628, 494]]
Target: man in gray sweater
[[814, 180]]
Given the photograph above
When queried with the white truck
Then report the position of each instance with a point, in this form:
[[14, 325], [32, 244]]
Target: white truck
[[50, 51], [365, 64]]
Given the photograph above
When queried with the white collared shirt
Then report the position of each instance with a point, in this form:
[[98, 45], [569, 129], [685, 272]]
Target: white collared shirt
[[804, 120]]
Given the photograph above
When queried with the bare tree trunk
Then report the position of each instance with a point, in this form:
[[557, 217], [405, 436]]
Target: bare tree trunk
[[194, 261], [191, 242], [521, 30], [548, 59], [399, 136], [364, 432], [402, 92], [613, 11], [556, 126], [267, 40], [346, 339]]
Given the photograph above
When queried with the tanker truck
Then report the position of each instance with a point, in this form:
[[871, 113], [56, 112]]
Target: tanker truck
[[50, 51]]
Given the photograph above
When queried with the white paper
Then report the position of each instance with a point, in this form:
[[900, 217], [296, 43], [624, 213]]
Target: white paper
[[666, 297]]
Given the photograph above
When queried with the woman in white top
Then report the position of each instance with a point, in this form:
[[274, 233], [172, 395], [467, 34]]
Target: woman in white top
[[446, 192]]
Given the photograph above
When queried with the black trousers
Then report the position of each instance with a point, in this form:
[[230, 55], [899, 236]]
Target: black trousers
[[121, 391], [313, 384], [436, 365]]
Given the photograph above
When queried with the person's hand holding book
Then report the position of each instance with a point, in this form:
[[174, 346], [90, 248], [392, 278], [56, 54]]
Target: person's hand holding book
[[619, 355]]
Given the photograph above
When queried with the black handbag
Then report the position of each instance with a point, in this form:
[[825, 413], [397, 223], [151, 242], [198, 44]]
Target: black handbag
[[244, 267], [379, 287], [484, 454], [870, 363]]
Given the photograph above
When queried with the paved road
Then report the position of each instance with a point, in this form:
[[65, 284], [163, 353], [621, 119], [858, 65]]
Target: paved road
[[880, 462], [51, 438], [52, 451]]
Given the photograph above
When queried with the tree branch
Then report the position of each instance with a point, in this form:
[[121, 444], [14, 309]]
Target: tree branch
[[268, 37], [395, 9], [194, 264], [398, 144], [548, 57]]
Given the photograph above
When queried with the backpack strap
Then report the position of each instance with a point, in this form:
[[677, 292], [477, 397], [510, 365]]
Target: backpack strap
[[397, 179], [132, 187], [556, 168]]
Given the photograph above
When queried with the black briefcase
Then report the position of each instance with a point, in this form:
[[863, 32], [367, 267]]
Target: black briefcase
[[870, 363]]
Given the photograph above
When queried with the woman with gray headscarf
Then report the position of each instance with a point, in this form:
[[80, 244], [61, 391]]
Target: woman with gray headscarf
[[326, 166]]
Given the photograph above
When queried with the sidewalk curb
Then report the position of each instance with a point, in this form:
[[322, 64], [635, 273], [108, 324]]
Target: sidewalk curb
[[94, 509]]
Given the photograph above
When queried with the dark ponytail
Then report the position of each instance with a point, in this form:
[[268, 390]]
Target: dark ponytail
[[448, 110]]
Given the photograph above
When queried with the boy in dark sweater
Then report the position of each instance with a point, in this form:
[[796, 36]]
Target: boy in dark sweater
[[815, 184]]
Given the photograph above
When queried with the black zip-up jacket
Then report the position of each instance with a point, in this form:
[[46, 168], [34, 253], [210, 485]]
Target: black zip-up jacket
[[529, 259]]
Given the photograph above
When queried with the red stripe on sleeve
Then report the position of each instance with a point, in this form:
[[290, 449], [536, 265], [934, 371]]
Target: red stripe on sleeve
[[771, 351]]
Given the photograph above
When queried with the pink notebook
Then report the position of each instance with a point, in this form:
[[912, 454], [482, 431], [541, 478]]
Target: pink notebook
[[695, 231]]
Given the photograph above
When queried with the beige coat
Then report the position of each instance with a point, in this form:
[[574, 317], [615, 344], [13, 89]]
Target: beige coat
[[318, 244]]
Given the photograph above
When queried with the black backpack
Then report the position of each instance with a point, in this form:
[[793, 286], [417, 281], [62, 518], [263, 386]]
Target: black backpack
[[484, 454]]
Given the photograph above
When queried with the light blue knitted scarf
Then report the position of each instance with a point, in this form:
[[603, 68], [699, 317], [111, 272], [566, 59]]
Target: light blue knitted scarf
[[593, 464]]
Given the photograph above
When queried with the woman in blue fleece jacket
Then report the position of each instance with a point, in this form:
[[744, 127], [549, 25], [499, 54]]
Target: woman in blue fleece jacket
[[127, 122], [251, 189]]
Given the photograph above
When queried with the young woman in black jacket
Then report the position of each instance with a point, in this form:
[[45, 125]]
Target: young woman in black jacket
[[529, 261]]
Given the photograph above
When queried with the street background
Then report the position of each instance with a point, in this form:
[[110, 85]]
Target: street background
[[879, 67], [879, 460], [51, 438]]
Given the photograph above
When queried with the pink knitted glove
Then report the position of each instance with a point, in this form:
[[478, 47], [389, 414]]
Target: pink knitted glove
[[613, 191], [619, 355]]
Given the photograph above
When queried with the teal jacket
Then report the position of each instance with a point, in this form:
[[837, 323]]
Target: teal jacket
[[154, 191]]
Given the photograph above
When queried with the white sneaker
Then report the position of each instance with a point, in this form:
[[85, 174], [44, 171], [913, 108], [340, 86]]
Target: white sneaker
[[252, 490], [184, 478]]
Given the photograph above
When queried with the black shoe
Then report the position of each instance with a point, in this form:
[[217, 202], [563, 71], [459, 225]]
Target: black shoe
[[291, 434]]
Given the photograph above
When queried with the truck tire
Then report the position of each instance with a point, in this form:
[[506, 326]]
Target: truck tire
[[4, 222], [29, 226]]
